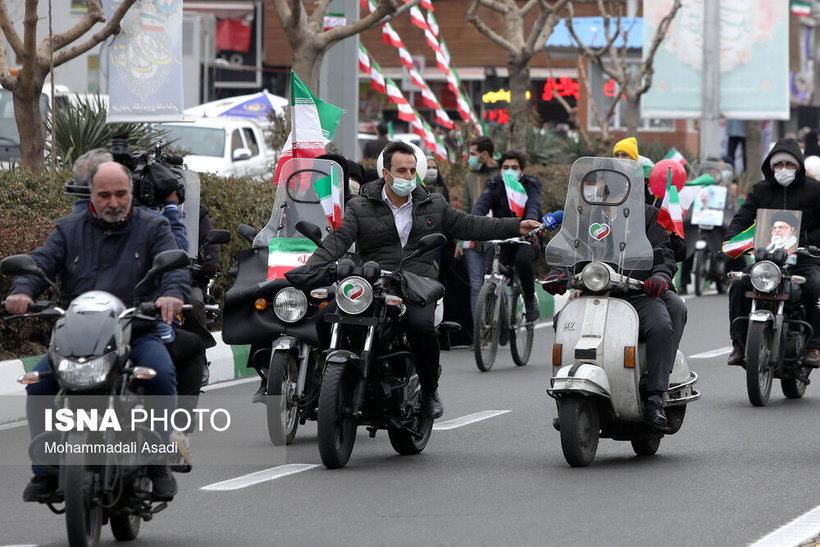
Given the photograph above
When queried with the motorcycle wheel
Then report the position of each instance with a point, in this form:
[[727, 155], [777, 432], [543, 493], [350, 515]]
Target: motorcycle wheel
[[792, 387], [522, 332], [336, 425], [83, 516], [485, 329], [580, 429], [674, 418], [758, 372], [125, 527], [282, 412], [701, 269], [645, 447], [407, 444]]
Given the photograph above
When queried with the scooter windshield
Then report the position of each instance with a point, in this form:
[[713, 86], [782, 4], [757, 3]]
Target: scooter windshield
[[603, 217]]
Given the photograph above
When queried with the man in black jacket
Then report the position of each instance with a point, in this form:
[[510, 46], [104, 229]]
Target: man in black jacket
[[386, 222], [785, 186]]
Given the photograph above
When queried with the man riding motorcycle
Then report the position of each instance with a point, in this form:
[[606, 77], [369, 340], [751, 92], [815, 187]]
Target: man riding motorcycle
[[386, 221], [785, 186], [109, 247]]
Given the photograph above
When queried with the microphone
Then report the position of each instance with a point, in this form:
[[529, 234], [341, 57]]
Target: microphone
[[550, 221]]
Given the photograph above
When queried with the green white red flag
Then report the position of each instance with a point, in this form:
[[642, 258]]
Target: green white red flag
[[330, 197], [741, 243], [673, 154], [417, 18], [390, 36], [671, 214], [432, 23], [313, 123], [516, 194], [286, 253], [364, 59], [377, 78]]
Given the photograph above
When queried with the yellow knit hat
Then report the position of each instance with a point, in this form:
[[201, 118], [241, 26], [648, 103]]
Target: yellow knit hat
[[628, 145]]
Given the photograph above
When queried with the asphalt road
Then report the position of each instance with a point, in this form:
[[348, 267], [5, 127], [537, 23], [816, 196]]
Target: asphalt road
[[732, 475]]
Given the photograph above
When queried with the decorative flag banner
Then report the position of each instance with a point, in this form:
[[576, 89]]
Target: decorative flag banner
[[364, 59], [673, 154], [417, 18], [330, 197], [432, 41], [429, 136], [418, 81], [406, 112], [377, 78], [390, 36], [432, 23], [671, 216], [443, 119], [370, 5], [428, 4], [801, 9], [333, 20], [444, 50], [313, 123], [516, 194], [394, 94], [286, 253], [441, 151], [741, 243], [406, 58]]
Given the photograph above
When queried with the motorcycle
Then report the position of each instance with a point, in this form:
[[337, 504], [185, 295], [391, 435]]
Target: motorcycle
[[597, 357], [263, 309], [370, 377], [777, 330], [88, 356]]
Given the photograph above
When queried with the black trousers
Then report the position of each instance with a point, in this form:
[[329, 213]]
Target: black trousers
[[678, 314], [418, 324], [741, 306], [734, 142], [522, 257], [656, 329], [188, 353]]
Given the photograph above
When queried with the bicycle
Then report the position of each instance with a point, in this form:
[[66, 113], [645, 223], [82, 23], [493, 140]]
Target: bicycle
[[496, 321]]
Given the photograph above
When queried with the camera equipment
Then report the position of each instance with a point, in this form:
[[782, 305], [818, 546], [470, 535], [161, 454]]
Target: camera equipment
[[155, 176]]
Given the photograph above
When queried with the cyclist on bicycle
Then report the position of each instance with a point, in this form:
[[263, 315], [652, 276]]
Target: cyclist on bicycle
[[514, 193]]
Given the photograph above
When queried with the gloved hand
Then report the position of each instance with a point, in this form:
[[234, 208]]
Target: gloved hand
[[209, 268], [656, 286], [555, 282]]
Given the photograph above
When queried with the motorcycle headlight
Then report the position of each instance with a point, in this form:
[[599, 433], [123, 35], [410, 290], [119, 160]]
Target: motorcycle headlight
[[84, 372], [765, 276], [290, 305], [354, 295], [595, 276]]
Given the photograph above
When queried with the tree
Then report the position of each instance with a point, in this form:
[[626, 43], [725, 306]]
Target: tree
[[629, 84], [38, 60], [520, 50], [310, 41]]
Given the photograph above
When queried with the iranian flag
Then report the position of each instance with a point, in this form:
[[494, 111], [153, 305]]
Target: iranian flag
[[406, 112], [432, 23], [741, 243], [463, 107], [671, 214], [417, 18], [286, 253], [429, 137], [443, 119], [673, 154], [406, 58], [377, 78], [364, 59], [427, 4], [801, 9], [313, 123], [394, 94], [516, 194], [333, 20], [390, 131], [390, 36], [427, 96], [433, 43], [330, 197], [441, 151], [417, 80]]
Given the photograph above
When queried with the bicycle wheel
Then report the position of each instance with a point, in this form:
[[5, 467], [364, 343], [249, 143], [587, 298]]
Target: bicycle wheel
[[521, 332], [485, 327]]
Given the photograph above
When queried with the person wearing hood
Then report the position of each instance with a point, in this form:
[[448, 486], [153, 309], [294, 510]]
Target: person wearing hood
[[433, 179], [785, 186]]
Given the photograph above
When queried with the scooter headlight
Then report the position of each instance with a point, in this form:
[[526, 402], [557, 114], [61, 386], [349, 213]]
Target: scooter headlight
[[290, 305], [354, 295], [765, 276], [595, 276], [82, 372]]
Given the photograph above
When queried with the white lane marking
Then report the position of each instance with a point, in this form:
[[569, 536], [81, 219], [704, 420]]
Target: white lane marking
[[468, 419], [260, 476], [231, 383], [794, 533], [12, 425], [713, 353]]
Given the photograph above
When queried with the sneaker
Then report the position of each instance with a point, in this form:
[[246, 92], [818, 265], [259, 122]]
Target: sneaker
[[432, 406], [183, 462], [531, 305], [164, 483], [738, 356], [259, 396], [42, 488]]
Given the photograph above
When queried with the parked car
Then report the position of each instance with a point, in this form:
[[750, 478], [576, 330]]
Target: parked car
[[225, 146]]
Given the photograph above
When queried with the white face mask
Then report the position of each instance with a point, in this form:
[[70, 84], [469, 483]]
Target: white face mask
[[431, 176], [591, 193], [784, 176]]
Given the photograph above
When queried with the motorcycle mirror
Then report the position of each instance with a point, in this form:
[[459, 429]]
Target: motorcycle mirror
[[431, 242], [246, 232], [310, 231], [165, 261], [218, 237], [20, 265]]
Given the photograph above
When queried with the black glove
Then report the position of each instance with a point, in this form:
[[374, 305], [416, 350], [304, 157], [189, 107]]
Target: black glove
[[656, 286], [208, 269], [555, 283]]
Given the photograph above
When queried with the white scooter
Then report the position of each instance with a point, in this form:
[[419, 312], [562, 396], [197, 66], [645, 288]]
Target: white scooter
[[597, 357]]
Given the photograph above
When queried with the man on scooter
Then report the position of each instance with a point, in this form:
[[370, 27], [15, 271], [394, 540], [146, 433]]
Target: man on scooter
[[386, 221], [785, 186], [656, 326]]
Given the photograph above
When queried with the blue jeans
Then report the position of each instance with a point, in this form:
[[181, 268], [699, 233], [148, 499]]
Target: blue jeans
[[147, 350], [475, 266]]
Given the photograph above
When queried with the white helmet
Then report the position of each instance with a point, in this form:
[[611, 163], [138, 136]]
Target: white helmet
[[421, 161]]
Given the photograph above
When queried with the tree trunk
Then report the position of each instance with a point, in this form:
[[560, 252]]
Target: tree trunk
[[520, 118], [633, 116], [30, 126], [307, 63], [754, 146]]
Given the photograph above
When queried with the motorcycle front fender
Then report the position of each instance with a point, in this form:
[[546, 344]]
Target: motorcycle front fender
[[761, 316], [581, 377], [343, 357], [286, 343]]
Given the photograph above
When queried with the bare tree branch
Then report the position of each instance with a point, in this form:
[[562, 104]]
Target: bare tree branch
[[112, 27], [318, 16], [529, 5], [6, 79], [9, 31], [484, 29], [378, 17], [647, 70], [92, 16], [26, 77], [547, 19]]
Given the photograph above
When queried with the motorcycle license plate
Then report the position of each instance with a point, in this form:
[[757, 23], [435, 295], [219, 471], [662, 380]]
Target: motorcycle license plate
[[706, 227]]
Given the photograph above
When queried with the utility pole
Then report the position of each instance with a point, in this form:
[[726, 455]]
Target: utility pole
[[710, 96]]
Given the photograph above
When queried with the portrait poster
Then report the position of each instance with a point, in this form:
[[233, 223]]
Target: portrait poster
[[708, 207], [778, 229]]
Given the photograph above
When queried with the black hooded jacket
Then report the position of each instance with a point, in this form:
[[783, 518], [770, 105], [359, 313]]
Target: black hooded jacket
[[803, 194]]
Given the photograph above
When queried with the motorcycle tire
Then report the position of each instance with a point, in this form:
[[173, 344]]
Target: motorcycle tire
[[125, 527], [485, 327], [701, 268], [405, 442], [759, 373], [646, 447], [336, 425], [83, 516], [580, 429], [282, 411], [792, 387], [521, 332], [674, 418]]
